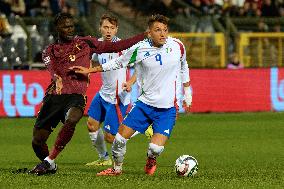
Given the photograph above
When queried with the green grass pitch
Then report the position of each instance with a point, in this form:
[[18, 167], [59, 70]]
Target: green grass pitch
[[244, 150]]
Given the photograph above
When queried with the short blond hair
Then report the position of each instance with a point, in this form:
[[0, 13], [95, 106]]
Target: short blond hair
[[158, 18]]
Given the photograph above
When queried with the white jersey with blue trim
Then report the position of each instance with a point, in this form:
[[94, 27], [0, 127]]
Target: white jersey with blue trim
[[157, 68], [110, 79]]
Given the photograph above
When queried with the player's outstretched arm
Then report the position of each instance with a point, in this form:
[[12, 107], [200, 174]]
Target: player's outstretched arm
[[109, 47], [84, 70], [129, 57]]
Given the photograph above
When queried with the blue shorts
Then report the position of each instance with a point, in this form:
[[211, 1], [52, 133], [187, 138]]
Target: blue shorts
[[142, 115], [103, 111]]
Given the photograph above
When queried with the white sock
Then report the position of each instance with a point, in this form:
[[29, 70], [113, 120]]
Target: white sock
[[134, 134], [154, 150], [98, 142], [51, 162], [118, 150], [117, 167]]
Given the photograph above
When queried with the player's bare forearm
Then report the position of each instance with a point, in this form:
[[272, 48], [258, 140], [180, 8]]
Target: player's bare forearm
[[127, 86], [132, 80]]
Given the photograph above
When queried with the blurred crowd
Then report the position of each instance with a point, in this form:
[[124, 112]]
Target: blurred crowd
[[44, 7], [266, 8], [13, 38]]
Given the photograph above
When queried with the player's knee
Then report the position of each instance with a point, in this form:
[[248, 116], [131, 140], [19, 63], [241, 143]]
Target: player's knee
[[92, 126], [72, 121], [73, 116], [155, 150], [109, 137]]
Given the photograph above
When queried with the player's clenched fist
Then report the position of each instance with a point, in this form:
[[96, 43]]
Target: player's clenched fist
[[187, 99]]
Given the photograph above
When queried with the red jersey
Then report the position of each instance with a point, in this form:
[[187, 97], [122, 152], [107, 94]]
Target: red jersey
[[59, 57]]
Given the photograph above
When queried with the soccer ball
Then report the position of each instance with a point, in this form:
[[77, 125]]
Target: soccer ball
[[186, 166]]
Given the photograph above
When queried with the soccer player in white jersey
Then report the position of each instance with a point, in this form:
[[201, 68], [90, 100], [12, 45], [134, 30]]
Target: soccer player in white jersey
[[110, 104], [159, 63]]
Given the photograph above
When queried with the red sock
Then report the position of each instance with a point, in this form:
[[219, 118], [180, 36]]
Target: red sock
[[64, 136]]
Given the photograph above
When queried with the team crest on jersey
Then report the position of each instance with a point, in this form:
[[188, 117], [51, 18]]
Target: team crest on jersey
[[147, 54], [169, 49], [78, 47], [72, 57]]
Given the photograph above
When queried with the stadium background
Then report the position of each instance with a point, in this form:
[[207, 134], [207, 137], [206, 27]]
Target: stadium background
[[215, 33]]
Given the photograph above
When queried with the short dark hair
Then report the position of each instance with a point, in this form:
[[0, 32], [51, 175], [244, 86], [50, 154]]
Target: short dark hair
[[61, 16], [158, 18], [112, 19]]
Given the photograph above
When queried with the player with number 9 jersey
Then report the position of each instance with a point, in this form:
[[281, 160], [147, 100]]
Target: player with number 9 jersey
[[157, 70], [160, 62]]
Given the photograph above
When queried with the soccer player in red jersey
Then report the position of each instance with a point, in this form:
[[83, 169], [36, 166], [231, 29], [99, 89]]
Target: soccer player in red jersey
[[65, 98]]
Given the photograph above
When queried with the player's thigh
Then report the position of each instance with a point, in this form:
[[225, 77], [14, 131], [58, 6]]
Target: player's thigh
[[138, 117], [164, 121], [50, 113], [97, 109], [74, 107], [111, 122], [74, 114]]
